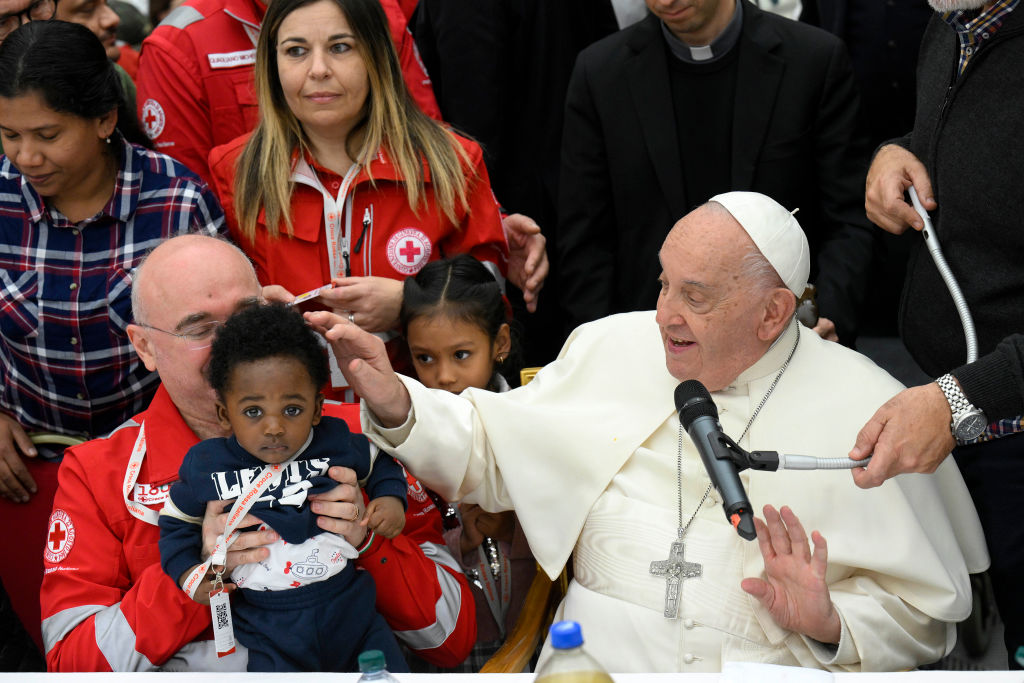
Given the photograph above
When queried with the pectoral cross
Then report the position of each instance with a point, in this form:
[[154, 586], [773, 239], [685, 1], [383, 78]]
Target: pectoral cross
[[675, 569]]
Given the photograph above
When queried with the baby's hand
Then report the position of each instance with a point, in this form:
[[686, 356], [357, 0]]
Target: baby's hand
[[385, 516]]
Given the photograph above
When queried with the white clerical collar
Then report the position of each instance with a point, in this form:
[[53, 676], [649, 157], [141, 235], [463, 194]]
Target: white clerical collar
[[718, 48], [773, 358]]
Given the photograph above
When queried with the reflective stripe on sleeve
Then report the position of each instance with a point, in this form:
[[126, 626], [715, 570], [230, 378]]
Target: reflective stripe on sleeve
[[116, 640], [439, 555], [496, 272], [55, 627], [448, 605], [201, 655], [182, 16]]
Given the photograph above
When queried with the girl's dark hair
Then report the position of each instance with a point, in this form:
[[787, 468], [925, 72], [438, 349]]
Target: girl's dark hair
[[67, 65], [265, 331], [462, 288]]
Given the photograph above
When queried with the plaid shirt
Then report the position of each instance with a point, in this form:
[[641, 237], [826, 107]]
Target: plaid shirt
[[67, 364], [974, 32]]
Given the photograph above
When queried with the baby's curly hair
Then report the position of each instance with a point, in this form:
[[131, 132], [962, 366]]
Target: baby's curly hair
[[265, 331]]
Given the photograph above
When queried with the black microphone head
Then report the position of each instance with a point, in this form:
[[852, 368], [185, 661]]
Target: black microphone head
[[693, 401]]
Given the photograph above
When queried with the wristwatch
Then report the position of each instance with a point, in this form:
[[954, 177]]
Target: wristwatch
[[968, 421]]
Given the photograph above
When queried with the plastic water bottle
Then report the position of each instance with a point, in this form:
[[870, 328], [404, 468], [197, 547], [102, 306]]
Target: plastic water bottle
[[374, 667], [569, 663]]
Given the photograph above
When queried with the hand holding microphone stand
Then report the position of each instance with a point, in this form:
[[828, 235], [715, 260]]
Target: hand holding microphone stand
[[723, 459]]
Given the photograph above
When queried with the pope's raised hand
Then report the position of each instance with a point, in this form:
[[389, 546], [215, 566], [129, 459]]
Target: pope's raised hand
[[364, 362], [794, 590]]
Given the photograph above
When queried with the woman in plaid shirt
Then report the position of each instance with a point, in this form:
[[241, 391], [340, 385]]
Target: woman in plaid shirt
[[81, 202]]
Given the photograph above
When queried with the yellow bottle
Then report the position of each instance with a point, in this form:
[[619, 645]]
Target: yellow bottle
[[569, 663]]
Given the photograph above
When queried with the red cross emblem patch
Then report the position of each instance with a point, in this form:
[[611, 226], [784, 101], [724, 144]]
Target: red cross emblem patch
[[153, 118], [408, 250], [60, 537]]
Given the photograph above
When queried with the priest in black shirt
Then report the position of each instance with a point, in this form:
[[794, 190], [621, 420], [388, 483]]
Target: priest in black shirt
[[703, 97]]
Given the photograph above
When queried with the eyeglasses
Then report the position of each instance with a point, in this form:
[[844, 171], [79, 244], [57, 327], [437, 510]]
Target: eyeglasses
[[197, 337], [40, 10]]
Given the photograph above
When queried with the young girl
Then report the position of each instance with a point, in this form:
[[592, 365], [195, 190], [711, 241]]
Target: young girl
[[456, 324]]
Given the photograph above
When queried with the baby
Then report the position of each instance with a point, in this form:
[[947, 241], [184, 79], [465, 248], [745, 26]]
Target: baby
[[305, 607]]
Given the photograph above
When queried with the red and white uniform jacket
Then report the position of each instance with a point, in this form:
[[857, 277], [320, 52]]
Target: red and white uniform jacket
[[375, 230], [195, 80], [108, 606], [384, 236]]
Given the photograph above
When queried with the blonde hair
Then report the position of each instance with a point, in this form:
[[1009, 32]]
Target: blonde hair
[[390, 120]]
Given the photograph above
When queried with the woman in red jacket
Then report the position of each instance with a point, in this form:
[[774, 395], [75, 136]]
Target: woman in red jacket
[[345, 181]]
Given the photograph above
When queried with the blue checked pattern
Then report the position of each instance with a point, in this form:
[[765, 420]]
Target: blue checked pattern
[[973, 33], [67, 364], [1001, 428]]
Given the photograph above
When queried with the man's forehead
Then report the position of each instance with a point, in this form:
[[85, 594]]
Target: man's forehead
[[684, 271], [200, 315]]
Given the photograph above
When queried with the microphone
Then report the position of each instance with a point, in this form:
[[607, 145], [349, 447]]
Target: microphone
[[699, 417]]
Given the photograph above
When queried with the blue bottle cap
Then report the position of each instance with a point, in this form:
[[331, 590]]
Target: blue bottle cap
[[566, 635], [371, 660]]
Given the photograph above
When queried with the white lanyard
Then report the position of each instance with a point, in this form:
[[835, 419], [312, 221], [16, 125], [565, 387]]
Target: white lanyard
[[131, 475], [495, 573], [339, 239], [245, 501]]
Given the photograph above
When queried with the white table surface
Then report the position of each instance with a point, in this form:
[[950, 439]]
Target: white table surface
[[908, 677]]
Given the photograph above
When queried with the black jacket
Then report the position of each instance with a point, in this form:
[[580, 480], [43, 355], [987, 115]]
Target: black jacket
[[793, 139], [968, 134]]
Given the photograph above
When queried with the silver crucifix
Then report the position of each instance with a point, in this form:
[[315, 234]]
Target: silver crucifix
[[674, 569]]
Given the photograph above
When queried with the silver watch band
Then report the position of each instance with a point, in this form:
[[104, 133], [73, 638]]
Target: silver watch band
[[958, 403]]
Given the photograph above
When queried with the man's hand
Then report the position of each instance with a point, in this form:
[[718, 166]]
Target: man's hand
[[794, 590], [471, 536], [364, 362], [893, 170], [497, 525], [527, 258], [910, 433], [247, 548], [341, 509], [826, 329], [16, 483], [374, 302], [277, 294]]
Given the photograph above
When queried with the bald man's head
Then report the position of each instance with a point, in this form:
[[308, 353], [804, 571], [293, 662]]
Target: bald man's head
[[183, 260], [181, 294]]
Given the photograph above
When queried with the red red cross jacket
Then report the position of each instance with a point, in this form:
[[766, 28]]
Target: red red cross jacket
[[195, 79], [108, 606], [386, 237]]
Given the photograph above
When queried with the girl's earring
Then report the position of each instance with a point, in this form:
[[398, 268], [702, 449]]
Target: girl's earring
[[108, 140], [500, 359]]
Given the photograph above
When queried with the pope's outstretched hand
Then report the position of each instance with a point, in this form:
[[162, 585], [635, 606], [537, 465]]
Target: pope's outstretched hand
[[364, 362], [794, 589]]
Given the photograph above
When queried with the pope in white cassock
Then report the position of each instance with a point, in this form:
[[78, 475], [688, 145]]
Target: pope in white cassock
[[591, 456]]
